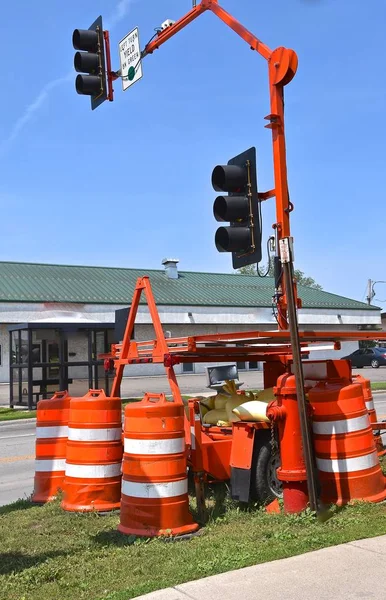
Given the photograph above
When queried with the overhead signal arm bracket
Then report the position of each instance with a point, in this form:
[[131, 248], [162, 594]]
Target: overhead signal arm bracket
[[282, 66]]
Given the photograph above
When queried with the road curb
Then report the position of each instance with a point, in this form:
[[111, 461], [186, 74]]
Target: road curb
[[13, 421]]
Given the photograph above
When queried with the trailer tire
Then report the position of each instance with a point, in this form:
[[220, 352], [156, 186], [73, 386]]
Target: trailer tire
[[265, 486]]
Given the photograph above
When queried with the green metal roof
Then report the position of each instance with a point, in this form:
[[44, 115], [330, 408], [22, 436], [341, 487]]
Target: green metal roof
[[29, 282]]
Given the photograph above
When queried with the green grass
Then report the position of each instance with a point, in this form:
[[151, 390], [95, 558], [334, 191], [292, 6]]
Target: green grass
[[47, 554], [378, 385], [9, 414]]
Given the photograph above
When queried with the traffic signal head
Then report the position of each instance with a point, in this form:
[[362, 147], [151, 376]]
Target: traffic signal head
[[90, 60], [240, 208]]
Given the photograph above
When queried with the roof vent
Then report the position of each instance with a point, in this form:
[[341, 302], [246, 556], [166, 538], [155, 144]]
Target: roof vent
[[170, 265]]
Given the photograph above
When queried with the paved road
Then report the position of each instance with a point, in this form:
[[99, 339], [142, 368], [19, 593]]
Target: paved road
[[17, 453], [17, 447], [195, 384]]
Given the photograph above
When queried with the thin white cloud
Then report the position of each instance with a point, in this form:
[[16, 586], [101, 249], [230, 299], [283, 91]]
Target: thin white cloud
[[33, 108], [119, 13]]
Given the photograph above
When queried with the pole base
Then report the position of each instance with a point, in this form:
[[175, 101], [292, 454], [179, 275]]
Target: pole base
[[295, 496]]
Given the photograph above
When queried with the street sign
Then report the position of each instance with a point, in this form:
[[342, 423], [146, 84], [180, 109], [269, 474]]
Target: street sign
[[130, 59]]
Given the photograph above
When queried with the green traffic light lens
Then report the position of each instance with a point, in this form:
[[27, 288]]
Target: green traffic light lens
[[131, 74]]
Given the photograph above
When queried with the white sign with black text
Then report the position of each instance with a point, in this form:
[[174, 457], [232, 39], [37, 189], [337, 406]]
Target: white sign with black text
[[130, 59]]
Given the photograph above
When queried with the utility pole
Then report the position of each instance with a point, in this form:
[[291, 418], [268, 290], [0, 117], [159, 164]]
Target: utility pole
[[370, 292]]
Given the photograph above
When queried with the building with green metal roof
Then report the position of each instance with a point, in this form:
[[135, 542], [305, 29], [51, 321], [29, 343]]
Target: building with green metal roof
[[188, 302], [29, 282]]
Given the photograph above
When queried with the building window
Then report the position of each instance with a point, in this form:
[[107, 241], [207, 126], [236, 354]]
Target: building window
[[36, 353], [253, 364], [187, 367]]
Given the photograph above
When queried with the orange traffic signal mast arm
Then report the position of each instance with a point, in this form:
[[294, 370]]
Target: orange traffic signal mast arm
[[282, 65], [214, 6]]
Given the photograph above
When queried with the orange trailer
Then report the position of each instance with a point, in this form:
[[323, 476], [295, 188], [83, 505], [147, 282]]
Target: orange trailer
[[246, 453]]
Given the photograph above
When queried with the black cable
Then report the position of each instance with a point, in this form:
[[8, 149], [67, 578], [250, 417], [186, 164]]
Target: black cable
[[281, 315], [274, 312], [268, 265], [157, 31], [260, 240]]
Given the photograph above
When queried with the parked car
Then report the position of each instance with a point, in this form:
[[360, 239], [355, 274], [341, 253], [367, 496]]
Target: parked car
[[368, 357]]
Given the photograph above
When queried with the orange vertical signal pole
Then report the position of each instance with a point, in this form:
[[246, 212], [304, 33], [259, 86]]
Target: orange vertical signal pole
[[282, 66]]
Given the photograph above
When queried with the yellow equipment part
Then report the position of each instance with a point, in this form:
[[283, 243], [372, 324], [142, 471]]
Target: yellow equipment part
[[213, 416], [266, 395], [206, 405], [251, 411], [208, 402], [233, 402], [220, 401]]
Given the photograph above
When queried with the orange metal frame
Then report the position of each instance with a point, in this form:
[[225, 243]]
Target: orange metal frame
[[212, 452], [282, 66], [265, 346], [125, 352]]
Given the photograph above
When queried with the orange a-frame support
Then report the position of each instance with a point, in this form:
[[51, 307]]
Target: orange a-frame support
[[123, 353]]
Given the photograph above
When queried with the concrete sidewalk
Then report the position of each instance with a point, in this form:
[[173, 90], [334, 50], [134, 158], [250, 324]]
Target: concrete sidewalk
[[354, 571]]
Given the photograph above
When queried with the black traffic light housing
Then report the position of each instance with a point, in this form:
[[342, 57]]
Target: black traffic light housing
[[91, 60], [240, 208]]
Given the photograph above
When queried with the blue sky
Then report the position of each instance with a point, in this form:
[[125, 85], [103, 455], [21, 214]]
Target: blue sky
[[129, 183]]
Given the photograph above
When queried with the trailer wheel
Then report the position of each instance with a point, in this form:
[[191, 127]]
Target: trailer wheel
[[265, 486]]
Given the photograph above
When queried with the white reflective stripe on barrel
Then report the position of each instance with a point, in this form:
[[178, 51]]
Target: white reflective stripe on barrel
[[165, 446], [93, 471], [192, 438], [50, 464], [370, 405], [155, 490], [94, 435], [347, 465], [53, 431], [342, 426]]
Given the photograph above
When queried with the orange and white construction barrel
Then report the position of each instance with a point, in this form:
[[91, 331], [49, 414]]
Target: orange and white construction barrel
[[346, 455], [94, 454], [51, 439], [369, 401], [154, 471]]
